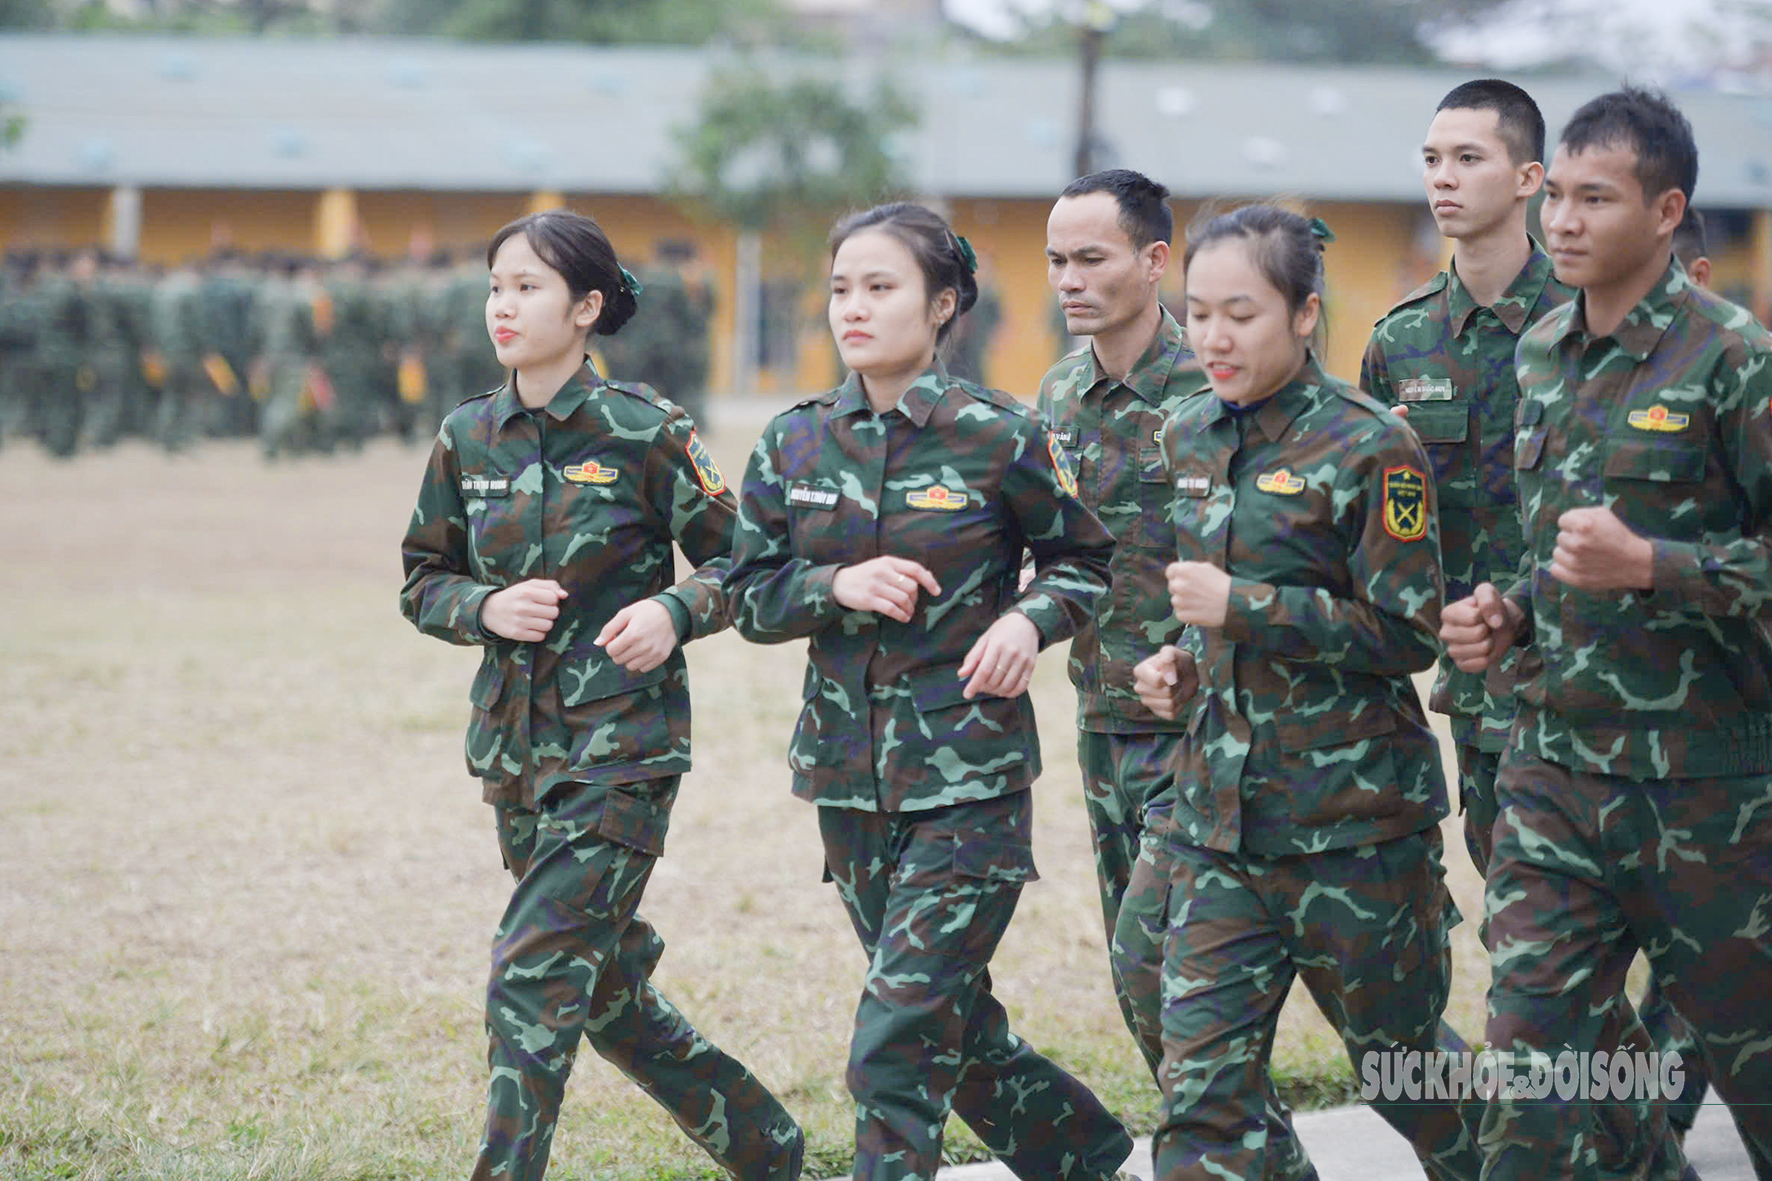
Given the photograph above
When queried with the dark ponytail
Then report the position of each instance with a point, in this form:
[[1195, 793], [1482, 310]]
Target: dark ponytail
[[576, 247]]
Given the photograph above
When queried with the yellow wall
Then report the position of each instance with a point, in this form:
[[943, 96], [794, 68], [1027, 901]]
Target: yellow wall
[[51, 217], [182, 224], [393, 221], [1010, 238], [1369, 266]]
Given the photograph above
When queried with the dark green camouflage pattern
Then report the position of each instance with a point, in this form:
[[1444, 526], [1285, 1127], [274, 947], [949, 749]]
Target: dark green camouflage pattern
[[1451, 362], [1112, 431], [1665, 421], [573, 958], [1365, 927], [930, 894], [1308, 734], [1589, 868], [589, 492], [885, 726]]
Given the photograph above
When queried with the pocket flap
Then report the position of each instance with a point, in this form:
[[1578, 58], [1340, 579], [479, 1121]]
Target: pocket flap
[[1445, 422], [995, 861], [1150, 466], [633, 822], [590, 674], [937, 688], [1333, 728], [1633, 460], [489, 682]]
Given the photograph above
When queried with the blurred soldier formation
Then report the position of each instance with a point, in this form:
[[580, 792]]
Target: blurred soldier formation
[[301, 354]]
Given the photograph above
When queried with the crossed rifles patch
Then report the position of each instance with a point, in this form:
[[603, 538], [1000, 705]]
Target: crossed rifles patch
[[1405, 503]]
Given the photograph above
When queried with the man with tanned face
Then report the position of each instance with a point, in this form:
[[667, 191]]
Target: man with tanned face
[[1107, 248], [1635, 788]]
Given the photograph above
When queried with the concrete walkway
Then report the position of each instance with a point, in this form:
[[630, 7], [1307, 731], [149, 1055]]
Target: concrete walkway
[[1353, 1144]]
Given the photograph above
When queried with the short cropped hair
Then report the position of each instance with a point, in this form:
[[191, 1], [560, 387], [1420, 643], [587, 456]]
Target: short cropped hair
[[1518, 120], [1647, 122], [1144, 204]]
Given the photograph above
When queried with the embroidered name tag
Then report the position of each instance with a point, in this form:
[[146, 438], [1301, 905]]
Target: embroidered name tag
[[938, 498], [1659, 418], [485, 485], [1193, 485], [1282, 483], [1066, 436], [806, 496], [1425, 389], [589, 472]]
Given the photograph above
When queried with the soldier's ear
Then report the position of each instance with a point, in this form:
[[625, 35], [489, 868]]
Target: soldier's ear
[[1305, 322], [588, 309], [1157, 259], [1528, 179]]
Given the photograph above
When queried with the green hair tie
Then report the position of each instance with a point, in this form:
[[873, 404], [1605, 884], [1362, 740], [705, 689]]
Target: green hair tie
[[634, 286], [967, 255], [1321, 230]]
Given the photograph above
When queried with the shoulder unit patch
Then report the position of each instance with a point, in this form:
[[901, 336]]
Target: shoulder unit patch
[[706, 470], [1066, 480], [1405, 503]]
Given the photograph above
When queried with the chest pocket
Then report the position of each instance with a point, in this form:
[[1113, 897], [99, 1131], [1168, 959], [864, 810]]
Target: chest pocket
[[1444, 430], [1528, 435], [1155, 494], [1632, 459]]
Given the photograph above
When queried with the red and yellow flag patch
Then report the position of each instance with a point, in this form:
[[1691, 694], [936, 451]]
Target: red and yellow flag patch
[[1405, 503], [939, 497], [588, 472], [707, 472]]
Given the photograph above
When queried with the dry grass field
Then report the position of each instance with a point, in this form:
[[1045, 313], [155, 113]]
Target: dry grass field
[[247, 888]]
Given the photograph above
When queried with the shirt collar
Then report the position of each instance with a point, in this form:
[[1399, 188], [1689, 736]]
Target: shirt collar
[[916, 403], [1275, 414], [1644, 325], [1149, 376], [1514, 308], [568, 398]]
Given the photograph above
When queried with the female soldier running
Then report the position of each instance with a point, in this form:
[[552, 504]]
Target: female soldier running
[[1304, 836], [543, 534], [886, 520]]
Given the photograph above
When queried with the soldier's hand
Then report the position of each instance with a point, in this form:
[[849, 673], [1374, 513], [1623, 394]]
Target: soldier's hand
[[639, 636], [525, 611], [1002, 661], [885, 585], [1200, 592], [1597, 551], [1167, 681], [1478, 629], [1401, 410]]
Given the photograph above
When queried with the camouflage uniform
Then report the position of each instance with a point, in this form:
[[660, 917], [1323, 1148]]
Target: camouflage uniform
[[1633, 793], [63, 337], [923, 800], [1451, 362], [580, 757], [1304, 831]]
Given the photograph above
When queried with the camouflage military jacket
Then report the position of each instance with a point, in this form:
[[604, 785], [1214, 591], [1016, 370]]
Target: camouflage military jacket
[[1451, 362], [590, 492], [956, 477], [1308, 734], [1112, 431], [1665, 421]]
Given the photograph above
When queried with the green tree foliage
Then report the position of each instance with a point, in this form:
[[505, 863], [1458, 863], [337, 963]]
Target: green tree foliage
[[660, 22], [787, 153], [1322, 31]]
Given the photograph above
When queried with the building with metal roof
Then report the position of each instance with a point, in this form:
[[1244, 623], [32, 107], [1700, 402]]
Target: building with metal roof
[[166, 145]]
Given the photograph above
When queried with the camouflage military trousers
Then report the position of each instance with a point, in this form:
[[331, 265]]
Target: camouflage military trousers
[[930, 894], [1477, 769], [572, 958], [1120, 773], [1588, 869], [1365, 927], [1138, 940]]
